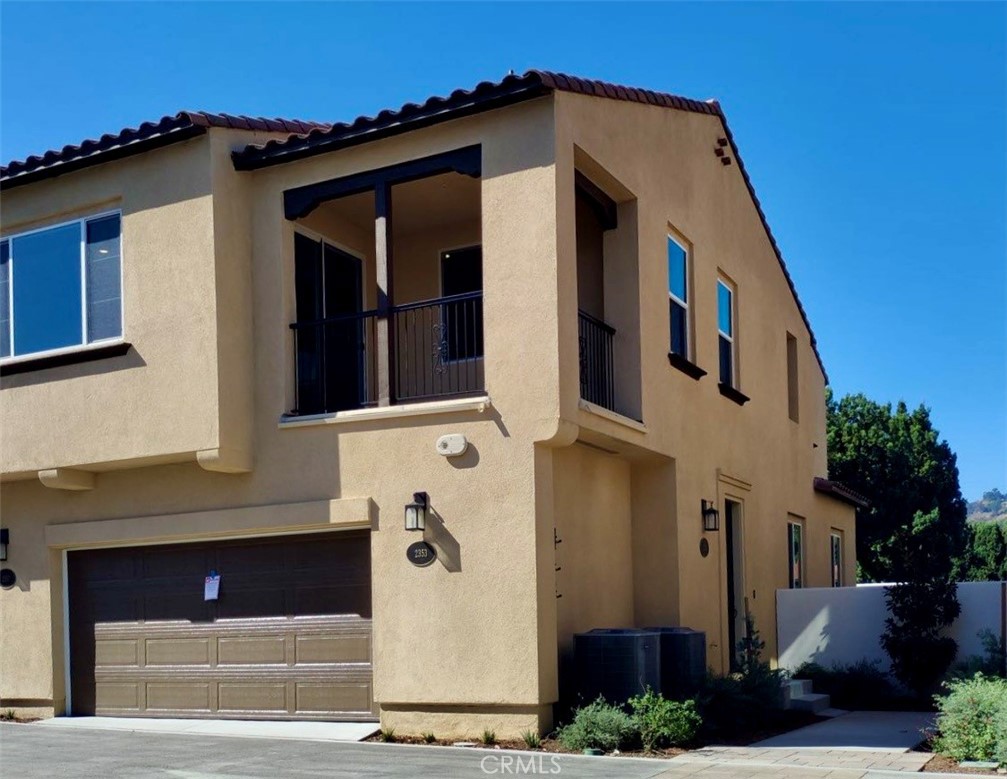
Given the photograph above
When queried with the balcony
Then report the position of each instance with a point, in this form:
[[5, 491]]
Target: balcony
[[435, 352], [597, 372]]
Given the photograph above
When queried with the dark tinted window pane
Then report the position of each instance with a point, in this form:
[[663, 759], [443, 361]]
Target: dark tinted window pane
[[724, 313], [676, 271], [726, 362], [462, 271], [4, 299], [104, 302], [47, 294], [678, 328], [308, 293]]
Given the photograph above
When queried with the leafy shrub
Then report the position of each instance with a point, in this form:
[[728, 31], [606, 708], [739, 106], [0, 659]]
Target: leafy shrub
[[746, 701], [971, 718], [664, 723], [861, 685], [531, 739], [1000, 724], [598, 725]]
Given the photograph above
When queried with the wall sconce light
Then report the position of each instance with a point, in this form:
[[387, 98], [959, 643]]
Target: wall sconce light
[[4, 542], [711, 518], [416, 512]]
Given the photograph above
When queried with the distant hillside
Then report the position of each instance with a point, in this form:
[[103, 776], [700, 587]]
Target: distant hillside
[[992, 507]]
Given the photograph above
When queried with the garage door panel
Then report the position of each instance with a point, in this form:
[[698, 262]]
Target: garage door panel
[[252, 651], [279, 644], [177, 651]]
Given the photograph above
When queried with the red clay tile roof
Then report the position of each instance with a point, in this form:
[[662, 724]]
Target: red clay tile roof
[[133, 140], [841, 492]]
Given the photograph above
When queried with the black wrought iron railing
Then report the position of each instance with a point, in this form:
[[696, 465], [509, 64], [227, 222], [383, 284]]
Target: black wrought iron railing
[[597, 369], [435, 351]]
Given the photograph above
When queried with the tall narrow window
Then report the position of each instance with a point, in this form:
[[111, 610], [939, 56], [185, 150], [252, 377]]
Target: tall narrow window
[[726, 331], [793, 402], [795, 554], [60, 287], [836, 555], [678, 297]]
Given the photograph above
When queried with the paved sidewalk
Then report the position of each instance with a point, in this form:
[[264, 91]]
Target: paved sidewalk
[[878, 730], [307, 731]]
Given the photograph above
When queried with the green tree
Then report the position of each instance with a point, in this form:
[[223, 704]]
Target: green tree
[[987, 552], [895, 459]]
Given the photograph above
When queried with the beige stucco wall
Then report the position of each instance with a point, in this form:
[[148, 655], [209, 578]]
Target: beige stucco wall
[[663, 163], [460, 634], [472, 641]]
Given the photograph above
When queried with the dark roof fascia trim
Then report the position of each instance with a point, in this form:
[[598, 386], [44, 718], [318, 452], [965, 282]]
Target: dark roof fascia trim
[[840, 492], [100, 155], [300, 147], [301, 201], [600, 202]]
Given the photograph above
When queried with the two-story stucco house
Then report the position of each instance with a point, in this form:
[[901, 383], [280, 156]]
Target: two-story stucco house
[[544, 319]]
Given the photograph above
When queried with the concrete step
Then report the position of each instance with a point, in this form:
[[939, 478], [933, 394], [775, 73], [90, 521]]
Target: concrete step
[[815, 702], [833, 713], [793, 688]]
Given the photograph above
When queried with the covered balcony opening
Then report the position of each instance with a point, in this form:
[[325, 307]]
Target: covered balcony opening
[[608, 299], [388, 286]]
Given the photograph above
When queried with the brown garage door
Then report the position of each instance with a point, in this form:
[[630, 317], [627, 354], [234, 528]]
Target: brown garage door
[[289, 637]]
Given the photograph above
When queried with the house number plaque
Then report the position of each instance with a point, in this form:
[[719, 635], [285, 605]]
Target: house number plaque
[[421, 554]]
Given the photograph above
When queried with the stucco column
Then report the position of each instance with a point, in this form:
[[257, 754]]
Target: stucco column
[[384, 332]]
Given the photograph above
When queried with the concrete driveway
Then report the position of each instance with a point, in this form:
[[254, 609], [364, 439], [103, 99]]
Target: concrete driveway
[[38, 752]]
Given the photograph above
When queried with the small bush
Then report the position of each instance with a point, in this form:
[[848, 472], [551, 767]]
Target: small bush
[[489, 737], [531, 739], [990, 663], [970, 719], [598, 725], [429, 738], [10, 715], [664, 723], [388, 735], [1000, 724]]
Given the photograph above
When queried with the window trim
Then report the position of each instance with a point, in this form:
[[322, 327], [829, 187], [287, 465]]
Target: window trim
[[799, 524], [85, 345], [686, 247], [835, 535], [732, 338]]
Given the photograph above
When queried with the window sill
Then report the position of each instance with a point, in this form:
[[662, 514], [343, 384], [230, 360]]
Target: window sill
[[690, 369], [71, 356], [731, 393], [455, 405]]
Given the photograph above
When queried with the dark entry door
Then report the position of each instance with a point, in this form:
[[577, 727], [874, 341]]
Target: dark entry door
[[345, 339], [330, 333], [735, 579]]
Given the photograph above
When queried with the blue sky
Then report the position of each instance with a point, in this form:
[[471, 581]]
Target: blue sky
[[875, 135]]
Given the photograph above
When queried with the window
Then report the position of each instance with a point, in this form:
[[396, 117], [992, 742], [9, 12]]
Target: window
[[836, 550], [462, 319], [793, 403], [61, 287], [795, 554], [678, 297], [725, 328]]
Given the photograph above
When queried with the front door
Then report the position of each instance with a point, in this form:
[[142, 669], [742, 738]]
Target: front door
[[736, 628]]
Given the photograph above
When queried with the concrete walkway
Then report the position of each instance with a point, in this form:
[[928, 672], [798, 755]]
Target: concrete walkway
[[876, 730], [305, 731]]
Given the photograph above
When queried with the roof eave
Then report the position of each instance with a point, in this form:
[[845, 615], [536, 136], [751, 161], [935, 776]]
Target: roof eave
[[139, 146], [311, 144]]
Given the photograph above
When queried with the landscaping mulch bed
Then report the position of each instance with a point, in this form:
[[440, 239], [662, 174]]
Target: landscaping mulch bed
[[941, 764], [791, 720]]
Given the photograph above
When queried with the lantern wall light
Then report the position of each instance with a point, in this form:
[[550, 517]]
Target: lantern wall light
[[711, 517], [416, 512]]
